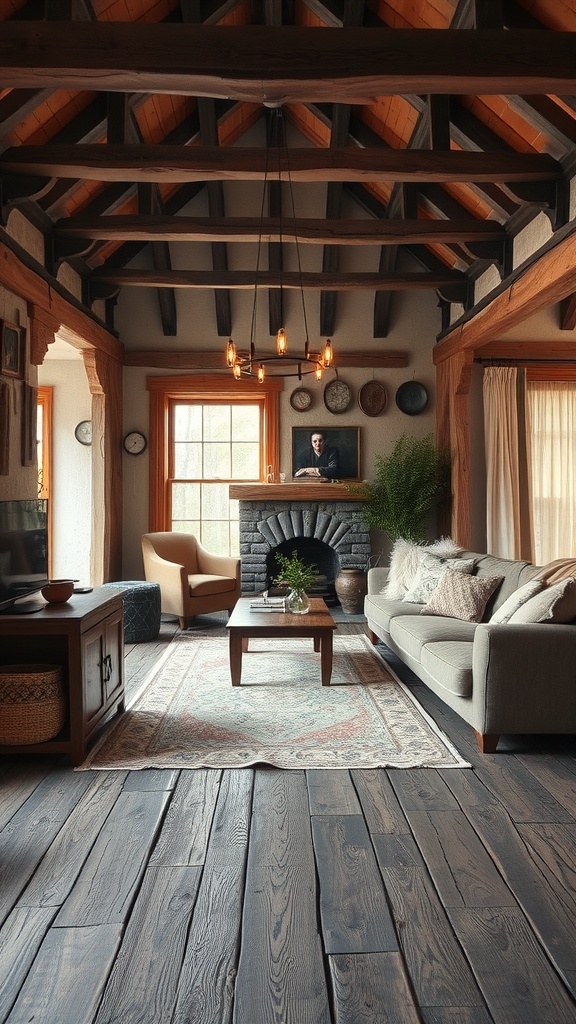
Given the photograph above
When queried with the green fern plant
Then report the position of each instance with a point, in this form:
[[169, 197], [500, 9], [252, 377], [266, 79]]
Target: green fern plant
[[412, 480]]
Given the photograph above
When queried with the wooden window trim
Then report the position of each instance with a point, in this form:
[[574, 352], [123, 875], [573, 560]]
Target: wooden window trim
[[198, 388]]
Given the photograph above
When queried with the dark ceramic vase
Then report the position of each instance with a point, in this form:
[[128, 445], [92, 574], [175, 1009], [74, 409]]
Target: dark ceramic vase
[[351, 586]]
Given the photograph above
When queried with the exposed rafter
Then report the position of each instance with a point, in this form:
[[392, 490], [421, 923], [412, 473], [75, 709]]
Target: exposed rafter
[[195, 163], [272, 65]]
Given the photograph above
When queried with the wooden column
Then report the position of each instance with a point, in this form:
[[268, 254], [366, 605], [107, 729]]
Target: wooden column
[[453, 432]]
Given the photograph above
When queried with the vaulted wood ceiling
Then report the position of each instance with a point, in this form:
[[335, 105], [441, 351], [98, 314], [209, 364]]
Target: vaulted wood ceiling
[[449, 124]]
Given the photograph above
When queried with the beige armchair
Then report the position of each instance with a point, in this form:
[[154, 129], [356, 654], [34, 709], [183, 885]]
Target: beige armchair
[[192, 580]]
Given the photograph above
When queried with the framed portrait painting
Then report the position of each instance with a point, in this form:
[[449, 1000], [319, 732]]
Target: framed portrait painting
[[12, 354], [325, 453]]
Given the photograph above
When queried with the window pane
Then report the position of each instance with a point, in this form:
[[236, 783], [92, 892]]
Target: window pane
[[216, 422], [216, 536], [185, 501], [187, 526], [217, 462], [187, 422], [245, 423], [215, 504], [245, 461], [187, 460]]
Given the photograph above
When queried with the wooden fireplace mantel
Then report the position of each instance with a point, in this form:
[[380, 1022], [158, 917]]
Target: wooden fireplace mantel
[[294, 492]]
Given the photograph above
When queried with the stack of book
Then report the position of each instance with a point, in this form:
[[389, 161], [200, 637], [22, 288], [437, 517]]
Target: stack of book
[[268, 604]]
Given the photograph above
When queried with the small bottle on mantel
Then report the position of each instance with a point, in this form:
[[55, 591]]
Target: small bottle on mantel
[[269, 475]]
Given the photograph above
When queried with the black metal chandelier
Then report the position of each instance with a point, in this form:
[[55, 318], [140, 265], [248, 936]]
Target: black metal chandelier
[[283, 362]]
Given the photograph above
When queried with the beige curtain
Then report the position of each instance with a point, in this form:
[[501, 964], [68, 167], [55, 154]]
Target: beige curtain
[[552, 407], [508, 499]]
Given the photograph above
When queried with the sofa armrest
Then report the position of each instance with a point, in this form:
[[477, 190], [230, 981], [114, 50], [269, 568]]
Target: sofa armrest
[[376, 578], [524, 678]]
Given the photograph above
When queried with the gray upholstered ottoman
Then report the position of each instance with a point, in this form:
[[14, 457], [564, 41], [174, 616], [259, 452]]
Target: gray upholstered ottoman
[[141, 607]]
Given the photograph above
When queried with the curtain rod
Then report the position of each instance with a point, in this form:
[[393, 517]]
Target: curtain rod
[[524, 362]]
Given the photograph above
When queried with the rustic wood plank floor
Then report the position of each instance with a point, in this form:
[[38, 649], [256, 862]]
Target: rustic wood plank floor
[[266, 897]]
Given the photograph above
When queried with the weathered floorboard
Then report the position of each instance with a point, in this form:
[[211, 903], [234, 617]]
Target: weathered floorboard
[[262, 896]]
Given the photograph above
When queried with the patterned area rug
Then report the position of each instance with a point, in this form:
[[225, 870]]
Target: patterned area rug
[[188, 715]]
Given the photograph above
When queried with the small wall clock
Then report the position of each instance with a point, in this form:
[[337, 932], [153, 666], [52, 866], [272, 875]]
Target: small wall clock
[[83, 432], [135, 442], [337, 396]]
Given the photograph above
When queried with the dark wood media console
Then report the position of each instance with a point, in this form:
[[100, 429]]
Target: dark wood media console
[[85, 636]]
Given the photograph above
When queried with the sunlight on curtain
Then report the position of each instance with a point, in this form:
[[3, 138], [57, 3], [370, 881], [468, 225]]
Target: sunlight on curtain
[[552, 408], [508, 531]]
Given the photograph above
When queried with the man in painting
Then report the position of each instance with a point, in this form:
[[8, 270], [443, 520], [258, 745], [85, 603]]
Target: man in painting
[[319, 459]]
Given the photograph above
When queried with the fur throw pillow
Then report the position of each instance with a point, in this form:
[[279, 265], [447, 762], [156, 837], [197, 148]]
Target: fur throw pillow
[[405, 562]]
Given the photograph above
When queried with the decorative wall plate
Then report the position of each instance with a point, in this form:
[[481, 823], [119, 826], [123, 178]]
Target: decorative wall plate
[[301, 399], [372, 398], [337, 396], [411, 397]]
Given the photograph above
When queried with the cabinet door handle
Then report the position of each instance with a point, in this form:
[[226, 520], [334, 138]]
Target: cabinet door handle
[[107, 665]]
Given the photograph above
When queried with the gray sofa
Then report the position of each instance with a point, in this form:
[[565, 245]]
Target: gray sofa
[[500, 678]]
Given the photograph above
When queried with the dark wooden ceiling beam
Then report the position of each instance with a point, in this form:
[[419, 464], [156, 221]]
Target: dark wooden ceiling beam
[[246, 279], [209, 137], [277, 65], [353, 14], [249, 229], [168, 163]]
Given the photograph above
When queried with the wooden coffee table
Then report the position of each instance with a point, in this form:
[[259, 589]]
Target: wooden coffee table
[[245, 623]]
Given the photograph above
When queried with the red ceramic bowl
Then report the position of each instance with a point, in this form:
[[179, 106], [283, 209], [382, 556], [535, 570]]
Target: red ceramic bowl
[[58, 591]]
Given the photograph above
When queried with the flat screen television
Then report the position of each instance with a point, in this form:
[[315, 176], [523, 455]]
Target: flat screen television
[[23, 553]]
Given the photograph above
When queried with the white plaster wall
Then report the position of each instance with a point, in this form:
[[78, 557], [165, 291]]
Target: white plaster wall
[[72, 468], [531, 238]]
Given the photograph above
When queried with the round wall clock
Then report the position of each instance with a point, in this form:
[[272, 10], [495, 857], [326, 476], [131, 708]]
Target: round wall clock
[[135, 442], [83, 432], [337, 396], [301, 399]]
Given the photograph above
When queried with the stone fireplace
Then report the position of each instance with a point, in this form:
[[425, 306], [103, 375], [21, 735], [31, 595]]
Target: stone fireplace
[[320, 521]]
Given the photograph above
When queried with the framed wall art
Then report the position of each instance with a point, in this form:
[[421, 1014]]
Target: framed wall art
[[325, 453], [12, 349]]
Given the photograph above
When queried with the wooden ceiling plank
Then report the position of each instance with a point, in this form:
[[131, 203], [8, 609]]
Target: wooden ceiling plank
[[275, 65], [248, 229], [168, 163]]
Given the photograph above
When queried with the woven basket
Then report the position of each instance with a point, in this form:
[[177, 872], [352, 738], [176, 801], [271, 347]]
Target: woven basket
[[32, 707]]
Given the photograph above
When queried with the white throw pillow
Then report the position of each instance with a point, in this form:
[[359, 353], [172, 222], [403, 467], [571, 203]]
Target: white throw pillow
[[462, 597], [405, 560], [430, 573], [553, 604], [506, 610]]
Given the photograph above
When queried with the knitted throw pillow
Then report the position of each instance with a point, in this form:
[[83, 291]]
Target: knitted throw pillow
[[461, 596]]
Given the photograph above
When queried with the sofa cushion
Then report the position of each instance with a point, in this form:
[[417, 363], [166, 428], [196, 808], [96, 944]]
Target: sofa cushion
[[450, 662], [553, 604], [405, 559], [461, 596], [506, 610], [430, 572], [412, 632], [381, 610]]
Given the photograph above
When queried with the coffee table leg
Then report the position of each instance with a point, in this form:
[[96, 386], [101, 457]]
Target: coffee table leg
[[316, 644], [236, 647], [326, 658]]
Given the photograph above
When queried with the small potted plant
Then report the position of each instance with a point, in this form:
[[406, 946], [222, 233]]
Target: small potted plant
[[297, 576]]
